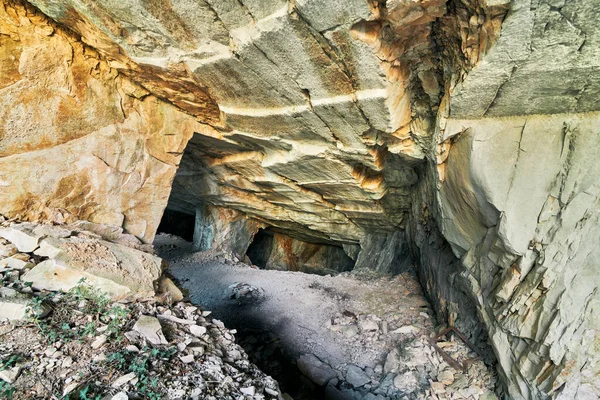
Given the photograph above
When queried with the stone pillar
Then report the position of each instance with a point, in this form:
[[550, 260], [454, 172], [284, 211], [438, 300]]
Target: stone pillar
[[204, 231]]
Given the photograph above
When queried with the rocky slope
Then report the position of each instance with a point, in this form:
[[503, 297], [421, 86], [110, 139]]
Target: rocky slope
[[461, 132], [64, 336]]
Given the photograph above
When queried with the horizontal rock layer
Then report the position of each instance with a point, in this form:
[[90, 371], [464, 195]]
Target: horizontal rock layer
[[463, 129]]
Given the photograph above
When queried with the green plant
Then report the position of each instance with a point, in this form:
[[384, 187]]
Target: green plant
[[6, 389], [141, 364], [69, 308]]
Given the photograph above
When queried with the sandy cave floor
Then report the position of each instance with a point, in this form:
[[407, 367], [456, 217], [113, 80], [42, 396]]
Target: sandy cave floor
[[382, 325]]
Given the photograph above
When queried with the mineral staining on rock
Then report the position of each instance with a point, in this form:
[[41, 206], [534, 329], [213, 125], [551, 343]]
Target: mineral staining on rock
[[462, 133]]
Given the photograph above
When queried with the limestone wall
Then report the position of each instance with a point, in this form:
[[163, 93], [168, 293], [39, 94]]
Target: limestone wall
[[466, 130], [518, 203], [78, 140]]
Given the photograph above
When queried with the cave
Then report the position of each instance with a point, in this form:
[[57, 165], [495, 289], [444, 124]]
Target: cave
[[386, 199], [272, 250], [260, 248], [178, 224]]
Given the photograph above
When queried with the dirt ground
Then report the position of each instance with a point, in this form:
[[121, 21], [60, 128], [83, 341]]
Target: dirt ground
[[344, 320]]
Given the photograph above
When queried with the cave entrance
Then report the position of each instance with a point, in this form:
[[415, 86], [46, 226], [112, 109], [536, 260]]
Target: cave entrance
[[271, 249], [177, 223]]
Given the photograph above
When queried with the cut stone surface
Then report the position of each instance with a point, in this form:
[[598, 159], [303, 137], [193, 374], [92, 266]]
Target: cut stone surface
[[13, 305], [49, 247], [51, 275], [14, 263], [22, 236], [115, 269]]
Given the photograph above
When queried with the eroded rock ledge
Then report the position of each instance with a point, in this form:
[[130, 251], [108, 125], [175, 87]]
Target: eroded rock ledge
[[463, 130]]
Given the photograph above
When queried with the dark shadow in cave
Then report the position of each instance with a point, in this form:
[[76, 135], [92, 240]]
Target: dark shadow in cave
[[178, 224], [260, 248], [272, 249], [256, 331]]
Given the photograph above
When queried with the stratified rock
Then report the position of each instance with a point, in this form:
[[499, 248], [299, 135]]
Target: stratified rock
[[456, 136], [315, 370]]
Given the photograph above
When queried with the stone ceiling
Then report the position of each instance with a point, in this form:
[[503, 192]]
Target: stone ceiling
[[325, 107], [316, 133]]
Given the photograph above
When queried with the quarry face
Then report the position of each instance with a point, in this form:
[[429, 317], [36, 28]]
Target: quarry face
[[452, 140]]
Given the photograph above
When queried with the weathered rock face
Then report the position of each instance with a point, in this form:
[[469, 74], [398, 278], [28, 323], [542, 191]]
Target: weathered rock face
[[515, 196], [520, 209], [272, 250], [465, 131], [78, 140]]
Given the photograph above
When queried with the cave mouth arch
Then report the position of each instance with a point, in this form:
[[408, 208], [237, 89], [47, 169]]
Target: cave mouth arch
[[177, 223], [271, 249]]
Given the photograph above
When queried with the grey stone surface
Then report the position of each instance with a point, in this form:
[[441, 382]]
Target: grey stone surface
[[22, 236], [315, 370], [547, 57], [384, 253], [356, 376], [519, 206], [13, 305], [150, 329]]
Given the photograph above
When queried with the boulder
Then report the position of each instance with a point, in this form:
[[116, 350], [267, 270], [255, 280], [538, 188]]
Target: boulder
[[150, 329], [14, 262], [167, 286], [13, 305], [7, 249], [49, 247], [315, 370], [55, 276], [356, 376], [115, 269], [22, 236]]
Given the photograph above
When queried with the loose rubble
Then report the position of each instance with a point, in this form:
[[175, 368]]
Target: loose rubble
[[346, 337], [83, 344]]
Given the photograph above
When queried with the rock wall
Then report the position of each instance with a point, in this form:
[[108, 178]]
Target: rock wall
[[78, 139], [511, 188], [464, 131], [520, 211], [273, 250]]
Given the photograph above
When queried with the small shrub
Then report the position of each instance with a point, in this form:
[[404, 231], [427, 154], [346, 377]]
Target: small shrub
[[68, 310], [6, 389]]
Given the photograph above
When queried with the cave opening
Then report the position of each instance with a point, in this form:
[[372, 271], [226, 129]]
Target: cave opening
[[260, 248], [271, 249], [177, 223]]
